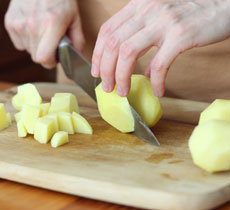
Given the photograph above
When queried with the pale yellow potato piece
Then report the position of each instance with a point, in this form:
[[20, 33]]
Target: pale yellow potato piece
[[142, 99], [115, 109], [3, 117], [218, 110], [28, 94], [9, 118], [22, 132], [15, 102], [54, 116], [210, 145], [18, 116], [64, 102], [59, 138], [80, 124], [44, 108], [29, 116], [44, 130], [65, 122]]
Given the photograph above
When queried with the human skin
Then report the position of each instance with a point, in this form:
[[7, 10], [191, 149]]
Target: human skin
[[37, 26], [172, 26]]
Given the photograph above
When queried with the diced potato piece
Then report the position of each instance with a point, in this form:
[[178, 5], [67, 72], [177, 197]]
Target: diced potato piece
[[28, 94], [30, 114], [3, 118], [80, 124], [115, 110], [65, 122], [22, 132], [210, 145], [59, 138], [219, 110], [44, 108], [44, 130], [64, 102], [18, 116], [9, 118], [15, 102], [54, 116], [142, 99]]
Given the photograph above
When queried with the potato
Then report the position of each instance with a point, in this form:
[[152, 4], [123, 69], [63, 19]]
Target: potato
[[142, 99], [210, 145], [59, 138], [22, 132], [80, 124], [65, 122], [44, 130], [15, 102], [9, 118], [64, 102], [115, 110], [29, 116], [3, 117], [44, 108], [219, 109], [18, 116], [54, 116], [28, 94]]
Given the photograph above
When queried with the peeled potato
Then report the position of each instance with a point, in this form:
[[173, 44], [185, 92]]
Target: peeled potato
[[59, 138], [65, 122], [3, 117], [80, 124], [210, 145], [22, 132], [44, 108], [219, 110]]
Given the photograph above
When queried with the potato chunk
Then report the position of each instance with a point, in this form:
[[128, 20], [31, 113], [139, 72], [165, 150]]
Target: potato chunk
[[54, 117], [44, 130], [44, 108], [15, 102], [64, 102], [22, 132], [80, 124], [3, 117], [142, 99], [59, 138], [210, 145], [65, 122], [30, 114], [219, 110], [115, 110], [18, 116]]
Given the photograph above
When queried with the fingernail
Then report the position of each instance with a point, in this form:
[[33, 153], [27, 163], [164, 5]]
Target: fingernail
[[121, 92], [94, 70]]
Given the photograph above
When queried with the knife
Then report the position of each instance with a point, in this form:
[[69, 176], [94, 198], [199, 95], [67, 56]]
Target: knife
[[78, 68]]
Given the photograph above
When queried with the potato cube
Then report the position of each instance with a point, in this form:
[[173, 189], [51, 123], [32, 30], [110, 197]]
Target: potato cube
[[59, 138], [115, 109], [28, 94], [44, 108], [9, 118], [44, 130], [30, 114], [64, 102], [18, 116], [15, 102], [217, 110], [210, 145], [22, 132], [80, 124], [54, 117], [3, 118], [142, 99], [65, 122]]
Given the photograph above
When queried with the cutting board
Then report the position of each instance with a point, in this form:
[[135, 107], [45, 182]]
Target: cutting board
[[116, 167]]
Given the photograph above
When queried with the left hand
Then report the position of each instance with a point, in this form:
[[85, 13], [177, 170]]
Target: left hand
[[172, 25]]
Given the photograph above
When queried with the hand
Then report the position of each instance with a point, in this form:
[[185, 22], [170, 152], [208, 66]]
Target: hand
[[174, 26], [37, 26]]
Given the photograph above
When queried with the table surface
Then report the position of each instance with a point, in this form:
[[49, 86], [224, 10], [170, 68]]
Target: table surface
[[19, 196]]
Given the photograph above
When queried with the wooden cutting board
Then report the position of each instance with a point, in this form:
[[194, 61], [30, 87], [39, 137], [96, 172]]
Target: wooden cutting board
[[116, 167]]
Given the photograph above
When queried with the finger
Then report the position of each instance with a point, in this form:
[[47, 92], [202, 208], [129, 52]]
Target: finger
[[111, 51], [76, 34], [106, 30], [160, 64]]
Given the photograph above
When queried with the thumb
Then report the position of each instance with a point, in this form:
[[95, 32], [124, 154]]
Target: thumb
[[159, 66], [76, 34]]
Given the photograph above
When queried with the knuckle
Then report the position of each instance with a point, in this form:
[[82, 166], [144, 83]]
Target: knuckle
[[112, 43], [105, 74], [19, 27], [105, 29], [127, 50], [31, 24]]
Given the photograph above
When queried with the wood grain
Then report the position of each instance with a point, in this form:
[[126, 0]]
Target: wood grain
[[102, 165]]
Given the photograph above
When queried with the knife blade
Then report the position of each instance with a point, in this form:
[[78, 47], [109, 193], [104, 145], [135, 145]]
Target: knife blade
[[77, 68]]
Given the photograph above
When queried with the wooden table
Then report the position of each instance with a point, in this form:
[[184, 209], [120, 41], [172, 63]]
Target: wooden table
[[22, 197]]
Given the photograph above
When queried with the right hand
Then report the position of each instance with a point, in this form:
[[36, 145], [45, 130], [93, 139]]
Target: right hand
[[37, 26]]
